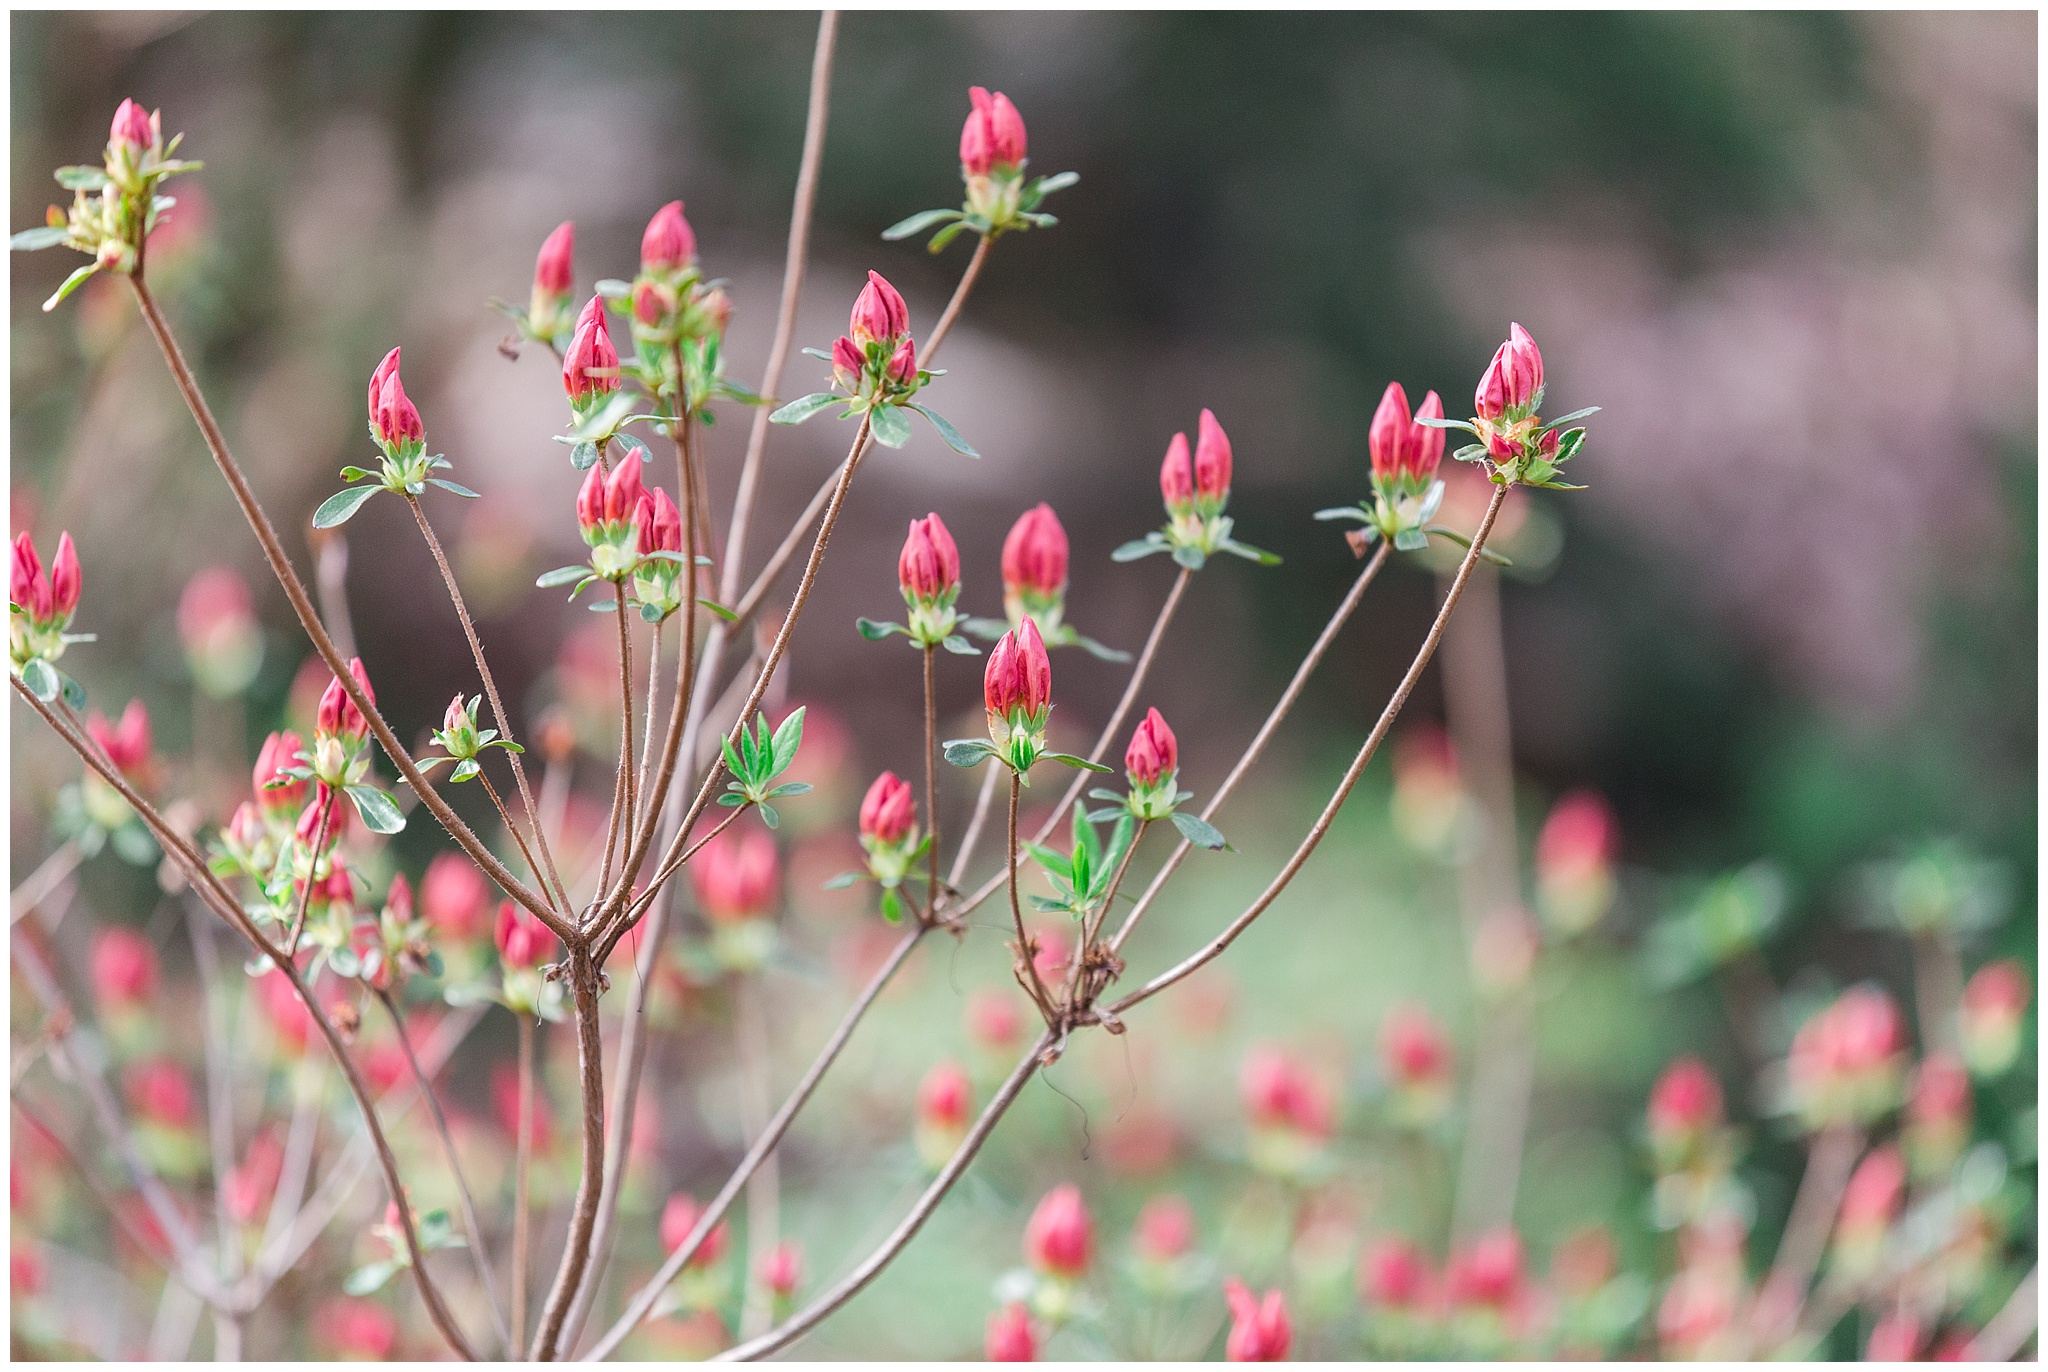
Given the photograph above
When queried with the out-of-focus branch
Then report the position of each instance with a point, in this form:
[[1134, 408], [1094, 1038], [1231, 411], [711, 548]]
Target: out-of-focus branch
[[764, 1188], [1830, 1159], [583, 991], [2015, 1323]]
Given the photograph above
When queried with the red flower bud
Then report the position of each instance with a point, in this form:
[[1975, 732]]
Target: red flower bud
[[1212, 460], [279, 751], [591, 366], [160, 1091], [455, 897], [1414, 1054], [1403, 450], [1154, 753], [1394, 1275], [1578, 837], [1874, 1191], [132, 127], [781, 1270], [878, 312], [1685, 1102], [521, 938], [929, 566], [668, 242], [393, 417], [1280, 1093], [554, 271], [993, 133], [944, 1097], [1035, 553], [678, 1218], [1844, 1057], [338, 713], [64, 578], [29, 586], [1010, 1337], [1260, 1330], [127, 744], [590, 505], [1177, 475], [1993, 1005], [1489, 1272], [622, 491], [661, 525], [1165, 1228], [736, 877], [888, 811], [1019, 675], [124, 968], [1512, 378], [1059, 1239], [903, 363], [848, 362], [652, 303]]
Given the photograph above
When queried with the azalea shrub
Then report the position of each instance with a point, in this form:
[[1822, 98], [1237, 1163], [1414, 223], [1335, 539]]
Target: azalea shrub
[[325, 1099]]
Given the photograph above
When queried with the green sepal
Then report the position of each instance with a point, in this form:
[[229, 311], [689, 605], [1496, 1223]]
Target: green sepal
[[340, 507], [356, 474]]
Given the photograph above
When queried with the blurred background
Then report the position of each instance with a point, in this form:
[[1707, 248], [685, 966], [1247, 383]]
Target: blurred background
[[1791, 621]]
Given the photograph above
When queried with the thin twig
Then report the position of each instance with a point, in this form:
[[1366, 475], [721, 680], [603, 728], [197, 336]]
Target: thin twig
[[2002, 1339], [47, 877], [1830, 1160], [590, 1073], [983, 803], [522, 1168], [931, 785], [1036, 984], [220, 1086], [953, 306], [764, 1188], [512, 829]]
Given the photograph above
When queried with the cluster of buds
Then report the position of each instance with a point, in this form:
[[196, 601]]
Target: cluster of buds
[[261, 828], [945, 1098], [130, 748], [1017, 689], [1260, 1328], [999, 197], [114, 206], [390, 943], [1846, 1062], [1059, 1246], [1416, 1060], [1993, 1014], [889, 830], [218, 630], [874, 366], [737, 880], [609, 510], [660, 581], [401, 438], [676, 315], [1196, 491], [1291, 1110], [40, 606], [1512, 436], [1575, 863], [1406, 452], [462, 741]]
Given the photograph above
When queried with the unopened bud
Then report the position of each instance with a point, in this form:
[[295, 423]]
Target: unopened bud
[[1514, 377], [668, 243], [878, 313], [993, 134], [1154, 753], [1059, 1239], [888, 812], [521, 938], [132, 129], [591, 366]]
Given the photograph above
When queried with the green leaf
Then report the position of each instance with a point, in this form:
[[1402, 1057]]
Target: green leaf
[[892, 906], [465, 770], [40, 678], [789, 736], [1058, 181], [946, 235], [768, 815], [340, 507], [602, 607], [1562, 420], [1101, 651], [373, 1277], [356, 474], [1410, 540], [1555, 485], [875, 630], [81, 178], [1189, 556], [1251, 554], [955, 644], [1197, 830], [71, 283], [74, 694], [803, 407], [650, 613], [584, 455], [562, 576], [611, 288], [1344, 512], [916, 223], [728, 615], [1079, 764], [379, 811], [1140, 547], [789, 788], [889, 427], [987, 630], [452, 487], [35, 240], [733, 761], [842, 881], [946, 431], [1463, 542], [636, 448], [969, 752], [1447, 424]]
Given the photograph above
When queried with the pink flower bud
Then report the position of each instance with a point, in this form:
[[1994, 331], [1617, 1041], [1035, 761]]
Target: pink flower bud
[[132, 128], [1177, 476], [127, 744], [668, 243], [1165, 1228], [1059, 1239], [1871, 1199], [1993, 1007], [944, 1097], [678, 1218], [622, 491], [1894, 1338], [1489, 1272], [591, 366], [1414, 1054], [393, 417], [928, 568], [781, 1269], [652, 303], [993, 1020], [992, 135], [248, 1186], [1845, 1060], [736, 877], [878, 313], [1010, 1337], [1403, 450], [1212, 460], [160, 1092], [661, 526], [1154, 753], [356, 1327], [554, 271], [888, 810], [1035, 554], [64, 578], [124, 968], [1941, 1092], [1394, 1275], [1018, 679], [1260, 1330], [1685, 1103], [903, 362], [1578, 836], [1513, 378], [590, 505], [1280, 1093], [338, 714], [848, 363], [398, 898], [279, 751], [454, 897], [29, 586], [521, 938]]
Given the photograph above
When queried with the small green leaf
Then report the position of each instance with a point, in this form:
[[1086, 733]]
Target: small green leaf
[[946, 431], [892, 906], [365, 1280], [1058, 181], [728, 615], [875, 630], [987, 630], [789, 736], [35, 240], [40, 678], [340, 507], [803, 407], [81, 178], [1562, 420], [584, 455], [1101, 651], [842, 881], [1251, 554], [1189, 557], [465, 770], [1463, 542], [71, 283], [1140, 547], [74, 694], [955, 644], [1197, 830], [379, 811], [452, 487], [946, 235], [1079, 764], [636, 448], [562, 576], [1447, 424], [1410, 540], [356, 474], [969, 752], [768, 815], [916, 223], [650, 613], [889, 427], [1344, 512], [789, 788], [602, 607], [611, 288]]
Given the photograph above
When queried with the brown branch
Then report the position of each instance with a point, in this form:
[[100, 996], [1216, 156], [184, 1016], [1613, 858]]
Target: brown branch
[[220, 1086], [1036, 984], [576, 1256], [621, 820], [954, 305], [931, 786], [521, 1170], [2002, 1339], [518, 840], [1830, 1159]]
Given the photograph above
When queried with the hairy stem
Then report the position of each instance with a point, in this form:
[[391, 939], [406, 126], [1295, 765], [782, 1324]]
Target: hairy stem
[[583, 990], [959, 300], [511, 828], [1035, 984]]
